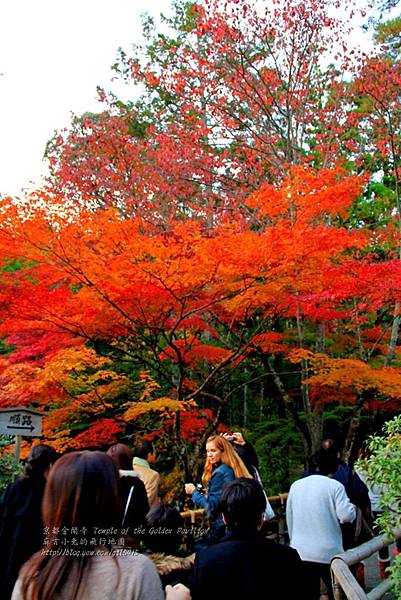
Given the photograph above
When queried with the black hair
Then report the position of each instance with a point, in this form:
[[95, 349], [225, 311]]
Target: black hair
[[164, 529], [40, 458], [327, 461], [243, 503], [143, 448]]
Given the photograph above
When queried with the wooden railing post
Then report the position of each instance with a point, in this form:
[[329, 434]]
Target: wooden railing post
[[337, 591], [343, 580]]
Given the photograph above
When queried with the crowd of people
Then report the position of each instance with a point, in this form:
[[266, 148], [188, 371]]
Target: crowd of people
[[90, 524]]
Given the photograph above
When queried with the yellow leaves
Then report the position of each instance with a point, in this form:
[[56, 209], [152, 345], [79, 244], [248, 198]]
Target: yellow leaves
[[164, 406], [58, 434], [149, 385], [102, 393], [352, 374], [300, 354], [62, 442], [104, 375], [73, 360], [72, 368]]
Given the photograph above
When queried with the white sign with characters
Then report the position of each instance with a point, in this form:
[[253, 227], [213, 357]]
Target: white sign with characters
[[20, 421]]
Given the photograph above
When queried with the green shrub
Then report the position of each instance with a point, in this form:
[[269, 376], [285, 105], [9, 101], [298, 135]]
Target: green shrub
[[10, 469], [279, 449], [383, 468]]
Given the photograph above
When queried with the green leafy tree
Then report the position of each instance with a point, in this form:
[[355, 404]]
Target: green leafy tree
[[10, 468], [383, 468]]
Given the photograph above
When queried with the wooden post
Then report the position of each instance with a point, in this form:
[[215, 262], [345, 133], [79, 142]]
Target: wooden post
[[17, 446], [345, 581], [337, 591]]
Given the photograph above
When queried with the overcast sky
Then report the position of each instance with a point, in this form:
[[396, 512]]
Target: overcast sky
[[53, 54]]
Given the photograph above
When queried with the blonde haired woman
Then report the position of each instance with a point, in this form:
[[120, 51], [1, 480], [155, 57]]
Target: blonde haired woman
[[222, 465]]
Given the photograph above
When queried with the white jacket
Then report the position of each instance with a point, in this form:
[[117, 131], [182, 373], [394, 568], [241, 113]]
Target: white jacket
[[316, 506]]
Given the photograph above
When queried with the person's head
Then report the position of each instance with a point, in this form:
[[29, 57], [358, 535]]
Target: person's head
[[330, 444], [243, 503], [82, 491], [81, 497], [326, 461], [144, 449], [121, 455], [219, 450], [40, 459], [164, 529]]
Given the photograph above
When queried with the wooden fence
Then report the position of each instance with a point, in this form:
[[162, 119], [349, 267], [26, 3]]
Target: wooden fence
[[344, 582]]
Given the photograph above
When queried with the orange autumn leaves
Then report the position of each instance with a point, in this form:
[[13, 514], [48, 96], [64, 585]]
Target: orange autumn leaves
[[346, 378], [103, 275], [164, 299]]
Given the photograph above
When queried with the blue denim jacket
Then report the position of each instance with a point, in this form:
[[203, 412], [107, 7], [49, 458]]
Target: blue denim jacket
[[211, 503]]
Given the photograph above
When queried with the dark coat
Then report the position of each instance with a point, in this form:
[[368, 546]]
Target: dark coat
[[248, 456], [138, 506], [21, 528], [355, 489], [358, 494], [246, 567]]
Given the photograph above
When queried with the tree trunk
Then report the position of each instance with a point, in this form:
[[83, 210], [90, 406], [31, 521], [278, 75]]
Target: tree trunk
[[314, 421], [245, 404], [351, 433], [291, 410], [397, 308], [320, 339], [394, 334]]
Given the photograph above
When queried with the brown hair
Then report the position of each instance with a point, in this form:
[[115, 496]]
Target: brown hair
[[229, 457], [121, 455], [81, 492]]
